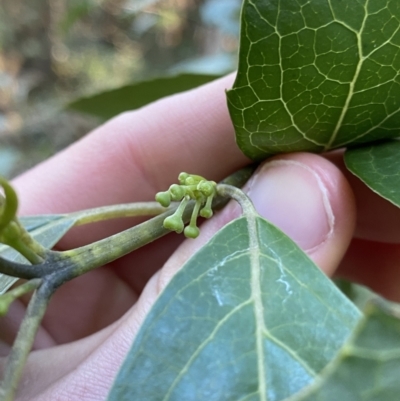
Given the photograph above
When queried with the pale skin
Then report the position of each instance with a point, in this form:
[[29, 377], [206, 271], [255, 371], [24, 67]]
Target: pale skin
[[139, 153]]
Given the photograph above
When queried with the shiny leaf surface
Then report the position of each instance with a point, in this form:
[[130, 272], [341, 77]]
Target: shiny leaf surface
[[316, 74], [378, 166]]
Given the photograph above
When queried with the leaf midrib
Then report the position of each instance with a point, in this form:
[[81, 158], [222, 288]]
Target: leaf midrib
[[255, 267], [354, 80], [256, 300]]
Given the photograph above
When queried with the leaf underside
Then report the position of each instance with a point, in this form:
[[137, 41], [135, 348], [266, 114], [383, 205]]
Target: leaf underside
[[367, 367], [378, 166], [249, 317], [47, 230], [316, 75]]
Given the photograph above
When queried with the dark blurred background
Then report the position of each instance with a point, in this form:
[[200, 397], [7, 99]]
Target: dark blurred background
[[53, 52]]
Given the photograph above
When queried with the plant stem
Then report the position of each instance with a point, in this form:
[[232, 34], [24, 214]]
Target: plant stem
[[28, 251], [20, 270], [36, 248], [79, 261], [35, 253], [117, 211], [238, 195], [73, 263], [60, 267], [23, 343], [23, 289]]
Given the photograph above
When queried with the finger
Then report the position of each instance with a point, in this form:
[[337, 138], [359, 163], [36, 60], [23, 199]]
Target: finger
[[377, 218], [83, 370], [303, 194], [135, 155], [323, 198], [86, 305], [129, 158], [91, 302]]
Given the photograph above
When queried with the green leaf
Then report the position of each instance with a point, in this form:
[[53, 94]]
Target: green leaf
[[111, 103], [378, 166], [47, 230], [316, 75], [249, 317], [367, 367]]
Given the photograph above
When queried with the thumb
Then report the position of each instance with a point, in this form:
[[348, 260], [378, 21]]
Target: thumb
[[303, 194]]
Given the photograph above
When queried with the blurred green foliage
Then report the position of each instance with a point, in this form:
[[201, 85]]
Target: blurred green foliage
[[53, 52], [108, 104]]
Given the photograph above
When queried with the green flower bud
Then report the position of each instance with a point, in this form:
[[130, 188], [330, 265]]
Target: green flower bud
[[190, 181], [182, 178], [191, 232], [207, 187], [177, 192], [206, 212], [193, 187], [163, 198], [174, 223]]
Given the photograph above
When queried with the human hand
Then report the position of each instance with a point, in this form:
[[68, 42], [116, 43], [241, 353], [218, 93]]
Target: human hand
[[132, 157]]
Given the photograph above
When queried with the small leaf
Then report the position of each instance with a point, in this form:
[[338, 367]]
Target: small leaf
[[378, 166], [367, 367], [316, 75], [47, 230], [249, 317], [111, 103]]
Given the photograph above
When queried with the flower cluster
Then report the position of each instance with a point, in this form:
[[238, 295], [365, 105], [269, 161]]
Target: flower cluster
[[191, 187]]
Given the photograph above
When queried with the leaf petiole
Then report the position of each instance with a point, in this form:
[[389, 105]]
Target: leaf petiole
[[117, 211], [239, 196]]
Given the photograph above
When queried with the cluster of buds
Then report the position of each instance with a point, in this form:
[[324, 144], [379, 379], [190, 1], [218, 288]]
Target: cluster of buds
[[191, 187]]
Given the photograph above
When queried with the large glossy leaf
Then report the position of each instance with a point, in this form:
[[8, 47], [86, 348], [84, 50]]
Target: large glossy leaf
[[367, 367], [249, 317], [47, 230], [379, 167], [110, 103], [316, 74]]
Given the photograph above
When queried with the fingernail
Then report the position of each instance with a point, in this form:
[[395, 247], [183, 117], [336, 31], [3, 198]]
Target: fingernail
[[293, 197]]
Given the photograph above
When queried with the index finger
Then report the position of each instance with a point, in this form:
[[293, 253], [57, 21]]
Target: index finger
[[138, 153]]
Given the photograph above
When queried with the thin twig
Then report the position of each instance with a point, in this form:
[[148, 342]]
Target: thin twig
[[10, 296], [23, 343], [118, 211], [79, 261]]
